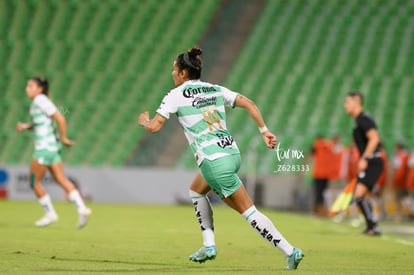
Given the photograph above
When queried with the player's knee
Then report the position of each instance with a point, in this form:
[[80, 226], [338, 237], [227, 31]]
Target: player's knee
[[33, 181], [194, 194], [358, 200]]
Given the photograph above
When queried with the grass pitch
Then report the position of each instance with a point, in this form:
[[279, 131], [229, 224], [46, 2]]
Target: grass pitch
[[157, 239]]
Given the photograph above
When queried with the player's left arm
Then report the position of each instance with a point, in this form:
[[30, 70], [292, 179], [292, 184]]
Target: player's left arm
[[254, 112], [61, 121], [151, 125]]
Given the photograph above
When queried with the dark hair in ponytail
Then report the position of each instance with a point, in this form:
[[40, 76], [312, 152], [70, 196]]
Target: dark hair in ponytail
[[42, 83], [191, 61]]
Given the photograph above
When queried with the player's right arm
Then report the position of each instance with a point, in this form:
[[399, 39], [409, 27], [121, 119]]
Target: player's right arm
[[254, 112], [151, 125], [21, 126], [168, 106]]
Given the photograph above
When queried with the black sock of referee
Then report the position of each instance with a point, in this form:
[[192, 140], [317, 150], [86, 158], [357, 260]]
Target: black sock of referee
[[374, 216], [366, 209]]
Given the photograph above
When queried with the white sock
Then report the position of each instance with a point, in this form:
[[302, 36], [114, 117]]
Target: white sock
[[75, 197], [204, 214], [47, 205], [267, 230]]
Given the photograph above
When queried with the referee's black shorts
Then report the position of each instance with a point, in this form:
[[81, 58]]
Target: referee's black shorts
[[370, 176]]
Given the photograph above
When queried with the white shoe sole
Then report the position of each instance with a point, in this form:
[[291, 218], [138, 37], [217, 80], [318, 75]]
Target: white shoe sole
[[83, 218], [46, 220]]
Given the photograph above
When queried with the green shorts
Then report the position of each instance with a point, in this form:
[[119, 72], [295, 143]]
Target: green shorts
[[221, 174], [46, 158]]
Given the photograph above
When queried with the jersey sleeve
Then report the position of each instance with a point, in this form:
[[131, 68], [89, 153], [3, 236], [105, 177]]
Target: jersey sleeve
[[229, 97], [45, 104], [168, 105], [366, 124]]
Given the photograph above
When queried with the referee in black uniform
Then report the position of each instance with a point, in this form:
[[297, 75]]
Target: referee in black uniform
[[370, 164]]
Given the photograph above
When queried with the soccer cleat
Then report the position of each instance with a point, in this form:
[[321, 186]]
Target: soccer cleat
[[294, 259], [204, 254], [372, 232], [83, 218], [47, 219]]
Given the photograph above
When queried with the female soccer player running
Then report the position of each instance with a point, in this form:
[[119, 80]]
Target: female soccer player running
[[46, 155], [200, 110]]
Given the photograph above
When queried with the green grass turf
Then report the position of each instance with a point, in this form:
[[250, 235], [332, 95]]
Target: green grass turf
[[157, 239]]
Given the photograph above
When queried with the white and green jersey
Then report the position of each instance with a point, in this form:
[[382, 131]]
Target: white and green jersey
[[200, 108], [41, 110]]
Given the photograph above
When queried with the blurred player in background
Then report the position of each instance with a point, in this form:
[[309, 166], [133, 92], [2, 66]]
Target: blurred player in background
[[46, 155], [370, 164], [353, 158], [337, 172], [200, 107], [400, 171], [329, 167], [322, 156], [338, 164]]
